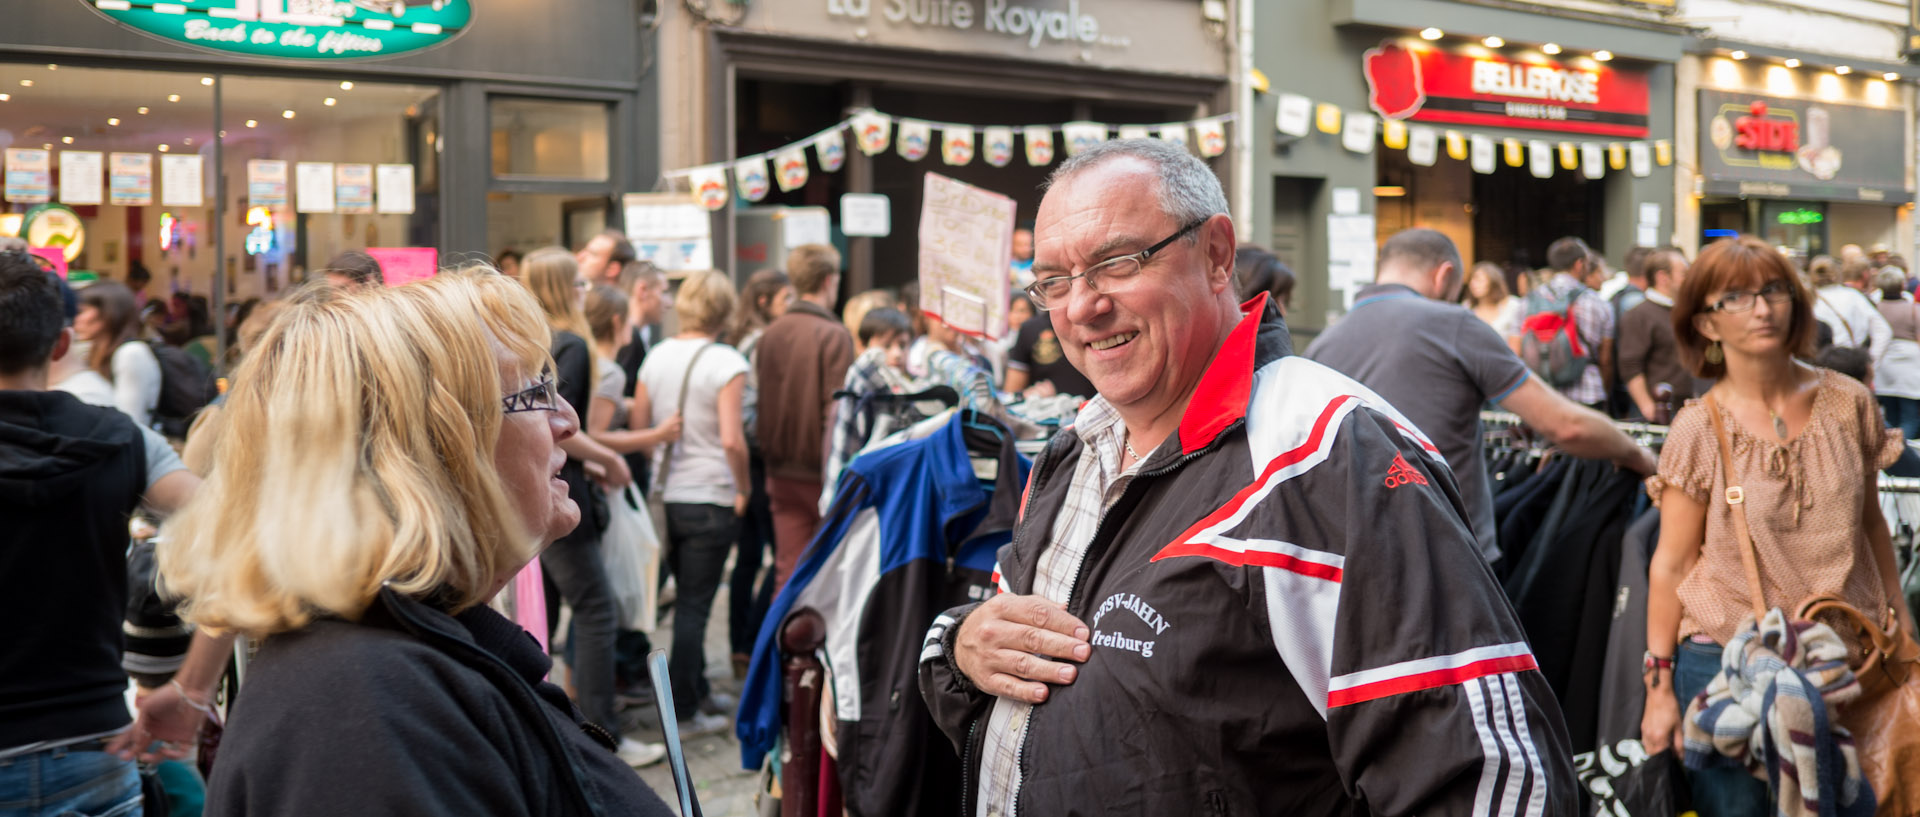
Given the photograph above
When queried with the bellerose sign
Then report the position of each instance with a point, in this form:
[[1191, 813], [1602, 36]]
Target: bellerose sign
[[296, 29]]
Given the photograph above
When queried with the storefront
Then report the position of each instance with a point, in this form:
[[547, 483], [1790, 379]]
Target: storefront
[[750, 86], [1503, 128], [229, 146], [1804, 156]]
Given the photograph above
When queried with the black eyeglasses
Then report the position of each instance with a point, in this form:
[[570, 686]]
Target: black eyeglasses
[[1103, 278], [1777, 293], [541, 396]]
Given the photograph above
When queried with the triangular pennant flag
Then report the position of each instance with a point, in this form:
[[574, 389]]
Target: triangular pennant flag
[[1296, 115], [1515, 157], [872, 130], [1640, 159], [1483, 159], [1358, 135], [1136, 132], [1617, 155], [1593, 163], [916, 138], [1326, 117], [1211, 135], [1663, 152], [1039, 142], [750, 177], [710, 185], [1082, 135], [956, 144], [1423, 146], [1540, 159], [831, 149], [1175, 132], [1456, 146], [1394, 133], [790, 168], [998, 141], [1569, 157]]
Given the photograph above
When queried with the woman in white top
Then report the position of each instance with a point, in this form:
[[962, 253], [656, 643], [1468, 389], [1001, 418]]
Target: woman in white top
[[1487, 297], [1896, 382], [703, 477], [109, 321]]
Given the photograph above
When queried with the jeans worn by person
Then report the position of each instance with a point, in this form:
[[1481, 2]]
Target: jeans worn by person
[[701, 537], [1725, 788], [581, 577], [1902, 413], [62, 781], [746, 606]]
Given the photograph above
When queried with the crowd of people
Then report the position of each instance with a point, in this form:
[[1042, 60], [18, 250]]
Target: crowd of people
[[1192, 594]]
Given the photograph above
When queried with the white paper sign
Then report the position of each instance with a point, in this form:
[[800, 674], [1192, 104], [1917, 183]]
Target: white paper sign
[[868, 214], [81, 174], [1650, 213], [806, 225], [673, 231], [1361, 131], [393, 189], [1423, 146], [1296, 115], [966, 246], [1640, 159], [1647, 235], [1350, 251], [1593, 161], [182, 181], [313, 187], [1540, 159], [1346, 201], [1482, 152]]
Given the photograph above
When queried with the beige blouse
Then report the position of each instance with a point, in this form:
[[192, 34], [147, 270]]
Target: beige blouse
[[1803, 501]]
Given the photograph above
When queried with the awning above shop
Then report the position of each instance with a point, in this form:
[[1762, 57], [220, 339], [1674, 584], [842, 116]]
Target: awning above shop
[[1644, 40]]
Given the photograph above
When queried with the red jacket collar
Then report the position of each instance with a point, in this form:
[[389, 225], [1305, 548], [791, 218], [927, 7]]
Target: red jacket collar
[[1221, 398]]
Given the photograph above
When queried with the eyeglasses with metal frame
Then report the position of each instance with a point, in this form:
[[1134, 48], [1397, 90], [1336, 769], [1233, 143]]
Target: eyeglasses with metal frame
[[1103, 276], [1777, 293]]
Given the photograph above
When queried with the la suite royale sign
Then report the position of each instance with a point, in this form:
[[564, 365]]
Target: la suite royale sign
[[295, 29], [1430, 84], [1033, 22]]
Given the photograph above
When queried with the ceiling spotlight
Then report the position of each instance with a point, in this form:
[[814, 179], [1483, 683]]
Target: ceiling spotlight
[[142, 110], [47, 146], [6, 97], [1738, 55], [286, 114], [173, 97], [1493, 42], [206, 80], [165, 148], [346, 86], [1891, 76], [1432, 34], [1550, 49], [1793, 62], [1603, 55], [1842, 70], [26, 83], [223, 134], [66, 140], [329, 102], [253, 123], [52, 67], [113, 121]]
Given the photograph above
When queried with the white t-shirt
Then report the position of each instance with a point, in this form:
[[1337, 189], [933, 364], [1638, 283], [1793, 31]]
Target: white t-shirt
[[699, 474], [136, 381], [90, 387]]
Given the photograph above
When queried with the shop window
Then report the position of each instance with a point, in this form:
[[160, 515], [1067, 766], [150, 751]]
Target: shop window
[[529, 221], [549, 140]]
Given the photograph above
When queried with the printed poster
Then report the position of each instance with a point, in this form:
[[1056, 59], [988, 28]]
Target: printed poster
[[866, 214], [353, 188], [130, 179], [393, 189], [81, 175], [267, 182], [183, 180], [313, 184], [966, 245], [29, 175]]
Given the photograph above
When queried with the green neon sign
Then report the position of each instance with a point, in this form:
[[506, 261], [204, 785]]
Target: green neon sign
[[1800, 217], [296, 29]]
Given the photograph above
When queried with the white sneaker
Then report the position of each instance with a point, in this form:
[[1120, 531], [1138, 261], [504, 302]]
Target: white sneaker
[[638, 754], [703, 724]]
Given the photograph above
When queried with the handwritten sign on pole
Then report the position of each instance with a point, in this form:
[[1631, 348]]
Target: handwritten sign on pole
[[966, 252]]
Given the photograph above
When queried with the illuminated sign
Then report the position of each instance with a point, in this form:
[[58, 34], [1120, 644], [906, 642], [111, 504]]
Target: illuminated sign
[[260, 239], [1800, 217], [1423, 82], [57, 226], [296, 29]]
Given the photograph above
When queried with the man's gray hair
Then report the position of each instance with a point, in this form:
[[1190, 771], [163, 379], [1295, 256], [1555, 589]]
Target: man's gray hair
[[1189, 191]]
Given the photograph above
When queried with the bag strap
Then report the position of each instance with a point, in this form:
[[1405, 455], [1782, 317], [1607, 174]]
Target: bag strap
[[1737, 500], [666, 459], [1844, 323]]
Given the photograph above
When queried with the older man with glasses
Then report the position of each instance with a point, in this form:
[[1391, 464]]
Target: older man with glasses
[[1242, 583]]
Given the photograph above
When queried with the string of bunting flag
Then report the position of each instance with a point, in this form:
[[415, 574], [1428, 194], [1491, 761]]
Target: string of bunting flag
[[1300, 117], [874, 131]]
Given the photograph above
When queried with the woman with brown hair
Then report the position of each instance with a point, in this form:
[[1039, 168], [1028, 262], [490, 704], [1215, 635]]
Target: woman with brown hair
[[109, 323], [1807, 445], [1486, 295]]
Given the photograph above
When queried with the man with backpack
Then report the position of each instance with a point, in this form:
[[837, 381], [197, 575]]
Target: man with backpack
[[1567, 336]]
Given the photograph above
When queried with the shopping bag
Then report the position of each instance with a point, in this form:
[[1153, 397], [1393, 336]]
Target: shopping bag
[[1623, 781], [631, 554]]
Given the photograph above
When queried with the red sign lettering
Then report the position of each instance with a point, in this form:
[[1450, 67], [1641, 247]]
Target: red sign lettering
[[1757, 132]]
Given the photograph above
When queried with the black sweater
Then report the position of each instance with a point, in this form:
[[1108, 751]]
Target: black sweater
[[412, 711]]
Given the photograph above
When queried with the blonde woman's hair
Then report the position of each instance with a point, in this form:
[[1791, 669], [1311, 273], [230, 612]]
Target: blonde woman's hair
[[357, 453], [859, 305], [552, 274], [704, 302]]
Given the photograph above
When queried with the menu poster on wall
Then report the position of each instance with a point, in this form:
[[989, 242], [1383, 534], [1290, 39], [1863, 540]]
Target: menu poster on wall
[[966, 248], [353, 188], [181, 181], [672, 231], [130, 179], [29, 175], [267, 182], [866, 214], [405, 265], [393, 185], [313, 187], [81, 174]]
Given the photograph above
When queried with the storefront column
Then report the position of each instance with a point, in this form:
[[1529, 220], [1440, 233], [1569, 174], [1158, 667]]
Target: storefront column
[[467, 165]]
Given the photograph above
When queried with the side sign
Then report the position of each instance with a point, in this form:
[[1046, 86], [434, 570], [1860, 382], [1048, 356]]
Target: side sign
[[1752, 145], [296, 29]]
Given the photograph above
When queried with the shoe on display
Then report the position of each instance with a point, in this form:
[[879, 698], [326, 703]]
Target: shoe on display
[[703, 724], [639, 753]]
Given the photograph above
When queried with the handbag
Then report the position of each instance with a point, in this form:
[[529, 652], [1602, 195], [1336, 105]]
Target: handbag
[[657, 496], [1885, 720]]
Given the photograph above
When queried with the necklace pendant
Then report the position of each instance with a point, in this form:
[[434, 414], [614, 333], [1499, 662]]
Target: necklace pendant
[[1779, 426]]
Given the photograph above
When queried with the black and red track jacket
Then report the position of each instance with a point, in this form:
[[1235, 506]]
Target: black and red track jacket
[[1289, 617]]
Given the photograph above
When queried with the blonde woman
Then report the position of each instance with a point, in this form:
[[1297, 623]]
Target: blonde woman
[[705, 483], [574, 562], [389, 461]]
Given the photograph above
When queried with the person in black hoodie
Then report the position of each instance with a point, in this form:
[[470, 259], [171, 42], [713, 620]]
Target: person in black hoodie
[[390, 461], [70, 476]]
